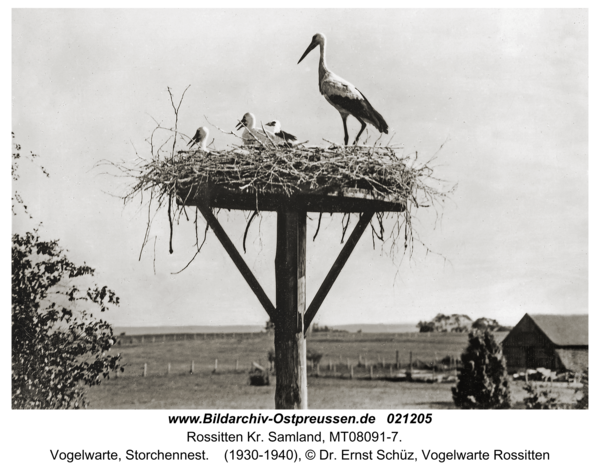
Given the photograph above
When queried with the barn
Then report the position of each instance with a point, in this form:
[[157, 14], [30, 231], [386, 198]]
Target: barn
[[555, 342]]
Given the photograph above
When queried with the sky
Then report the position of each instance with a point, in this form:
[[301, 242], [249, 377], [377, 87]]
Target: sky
[[504, 91]]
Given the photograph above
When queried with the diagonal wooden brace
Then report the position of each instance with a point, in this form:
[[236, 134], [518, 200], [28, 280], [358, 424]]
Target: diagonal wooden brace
[[337, 267], [238, 260]]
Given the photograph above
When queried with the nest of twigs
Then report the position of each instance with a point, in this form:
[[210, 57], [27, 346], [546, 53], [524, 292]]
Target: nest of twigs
[[288, 170]]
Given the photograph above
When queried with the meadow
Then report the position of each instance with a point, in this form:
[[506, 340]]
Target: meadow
[[169, 383]]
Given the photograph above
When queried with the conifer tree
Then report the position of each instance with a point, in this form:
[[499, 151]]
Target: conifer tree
[[482, 379]]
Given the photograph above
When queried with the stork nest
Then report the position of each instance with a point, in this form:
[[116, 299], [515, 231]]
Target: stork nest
[[288, 170]]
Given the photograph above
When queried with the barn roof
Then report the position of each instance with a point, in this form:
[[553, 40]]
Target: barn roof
[[564, 330]]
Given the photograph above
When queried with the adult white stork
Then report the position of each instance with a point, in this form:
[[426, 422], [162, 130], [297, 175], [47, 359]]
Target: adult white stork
[[201, 137], [251, 133], [287, 137], [344, 96]]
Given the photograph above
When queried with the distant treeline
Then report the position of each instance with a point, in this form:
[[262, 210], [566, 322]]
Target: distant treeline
[[459, 324]]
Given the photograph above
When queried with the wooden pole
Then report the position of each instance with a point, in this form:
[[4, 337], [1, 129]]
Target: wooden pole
[[192, 368], [290, 289], [397, 359], [145, 369], [168, 368]]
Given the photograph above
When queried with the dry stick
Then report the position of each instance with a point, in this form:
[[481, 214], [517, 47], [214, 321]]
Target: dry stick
[[176, 110], [197, 252], [318, 226], [247, 228], [170, 226]]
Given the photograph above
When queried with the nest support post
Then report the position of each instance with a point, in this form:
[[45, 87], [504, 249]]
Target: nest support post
[[290, 280], [290, 313]]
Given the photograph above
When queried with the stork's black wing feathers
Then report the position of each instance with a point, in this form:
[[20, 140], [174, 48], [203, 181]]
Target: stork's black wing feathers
[[360, 109], [286, 136]]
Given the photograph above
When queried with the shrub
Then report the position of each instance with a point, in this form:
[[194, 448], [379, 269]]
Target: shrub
[[582, 394], [58, 348], [313, 356], [259, 378], [540, 398], [482, 378]]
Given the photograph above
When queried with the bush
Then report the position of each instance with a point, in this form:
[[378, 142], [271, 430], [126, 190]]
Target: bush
[[58, 348], [259, 378], [313, 356], [482, 378], [540, 398], [582, 394]]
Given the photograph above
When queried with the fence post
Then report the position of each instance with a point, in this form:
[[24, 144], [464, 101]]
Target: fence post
[[216, 364], [192, 368], [351, 371], [371, 372], [397, 359], [236, 365], [145, 369], [168, 368], [410, 364]]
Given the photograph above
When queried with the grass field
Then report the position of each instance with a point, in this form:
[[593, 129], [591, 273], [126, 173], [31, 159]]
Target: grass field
[[330, 390]]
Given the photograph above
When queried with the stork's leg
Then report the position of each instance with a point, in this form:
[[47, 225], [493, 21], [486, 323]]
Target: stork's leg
[[363, 125], [344, 117]]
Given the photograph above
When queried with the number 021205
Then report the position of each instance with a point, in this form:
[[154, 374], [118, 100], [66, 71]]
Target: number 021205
[[409, 418]]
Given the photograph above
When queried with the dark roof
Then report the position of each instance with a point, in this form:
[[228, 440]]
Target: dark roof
[[564, 330]]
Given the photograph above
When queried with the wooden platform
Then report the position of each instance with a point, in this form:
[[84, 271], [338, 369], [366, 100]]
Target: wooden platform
[[324, 200]]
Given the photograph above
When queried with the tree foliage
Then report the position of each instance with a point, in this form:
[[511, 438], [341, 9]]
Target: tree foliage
[[446, 323], [58, 347], [17, 157], [482, 379]]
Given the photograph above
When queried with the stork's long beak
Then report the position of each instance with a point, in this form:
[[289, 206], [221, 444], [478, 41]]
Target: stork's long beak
[[271, 123], [239, 126], [309, 49]]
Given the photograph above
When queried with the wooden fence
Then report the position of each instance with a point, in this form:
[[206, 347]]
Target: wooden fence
[[360, 367], [174, 337]]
